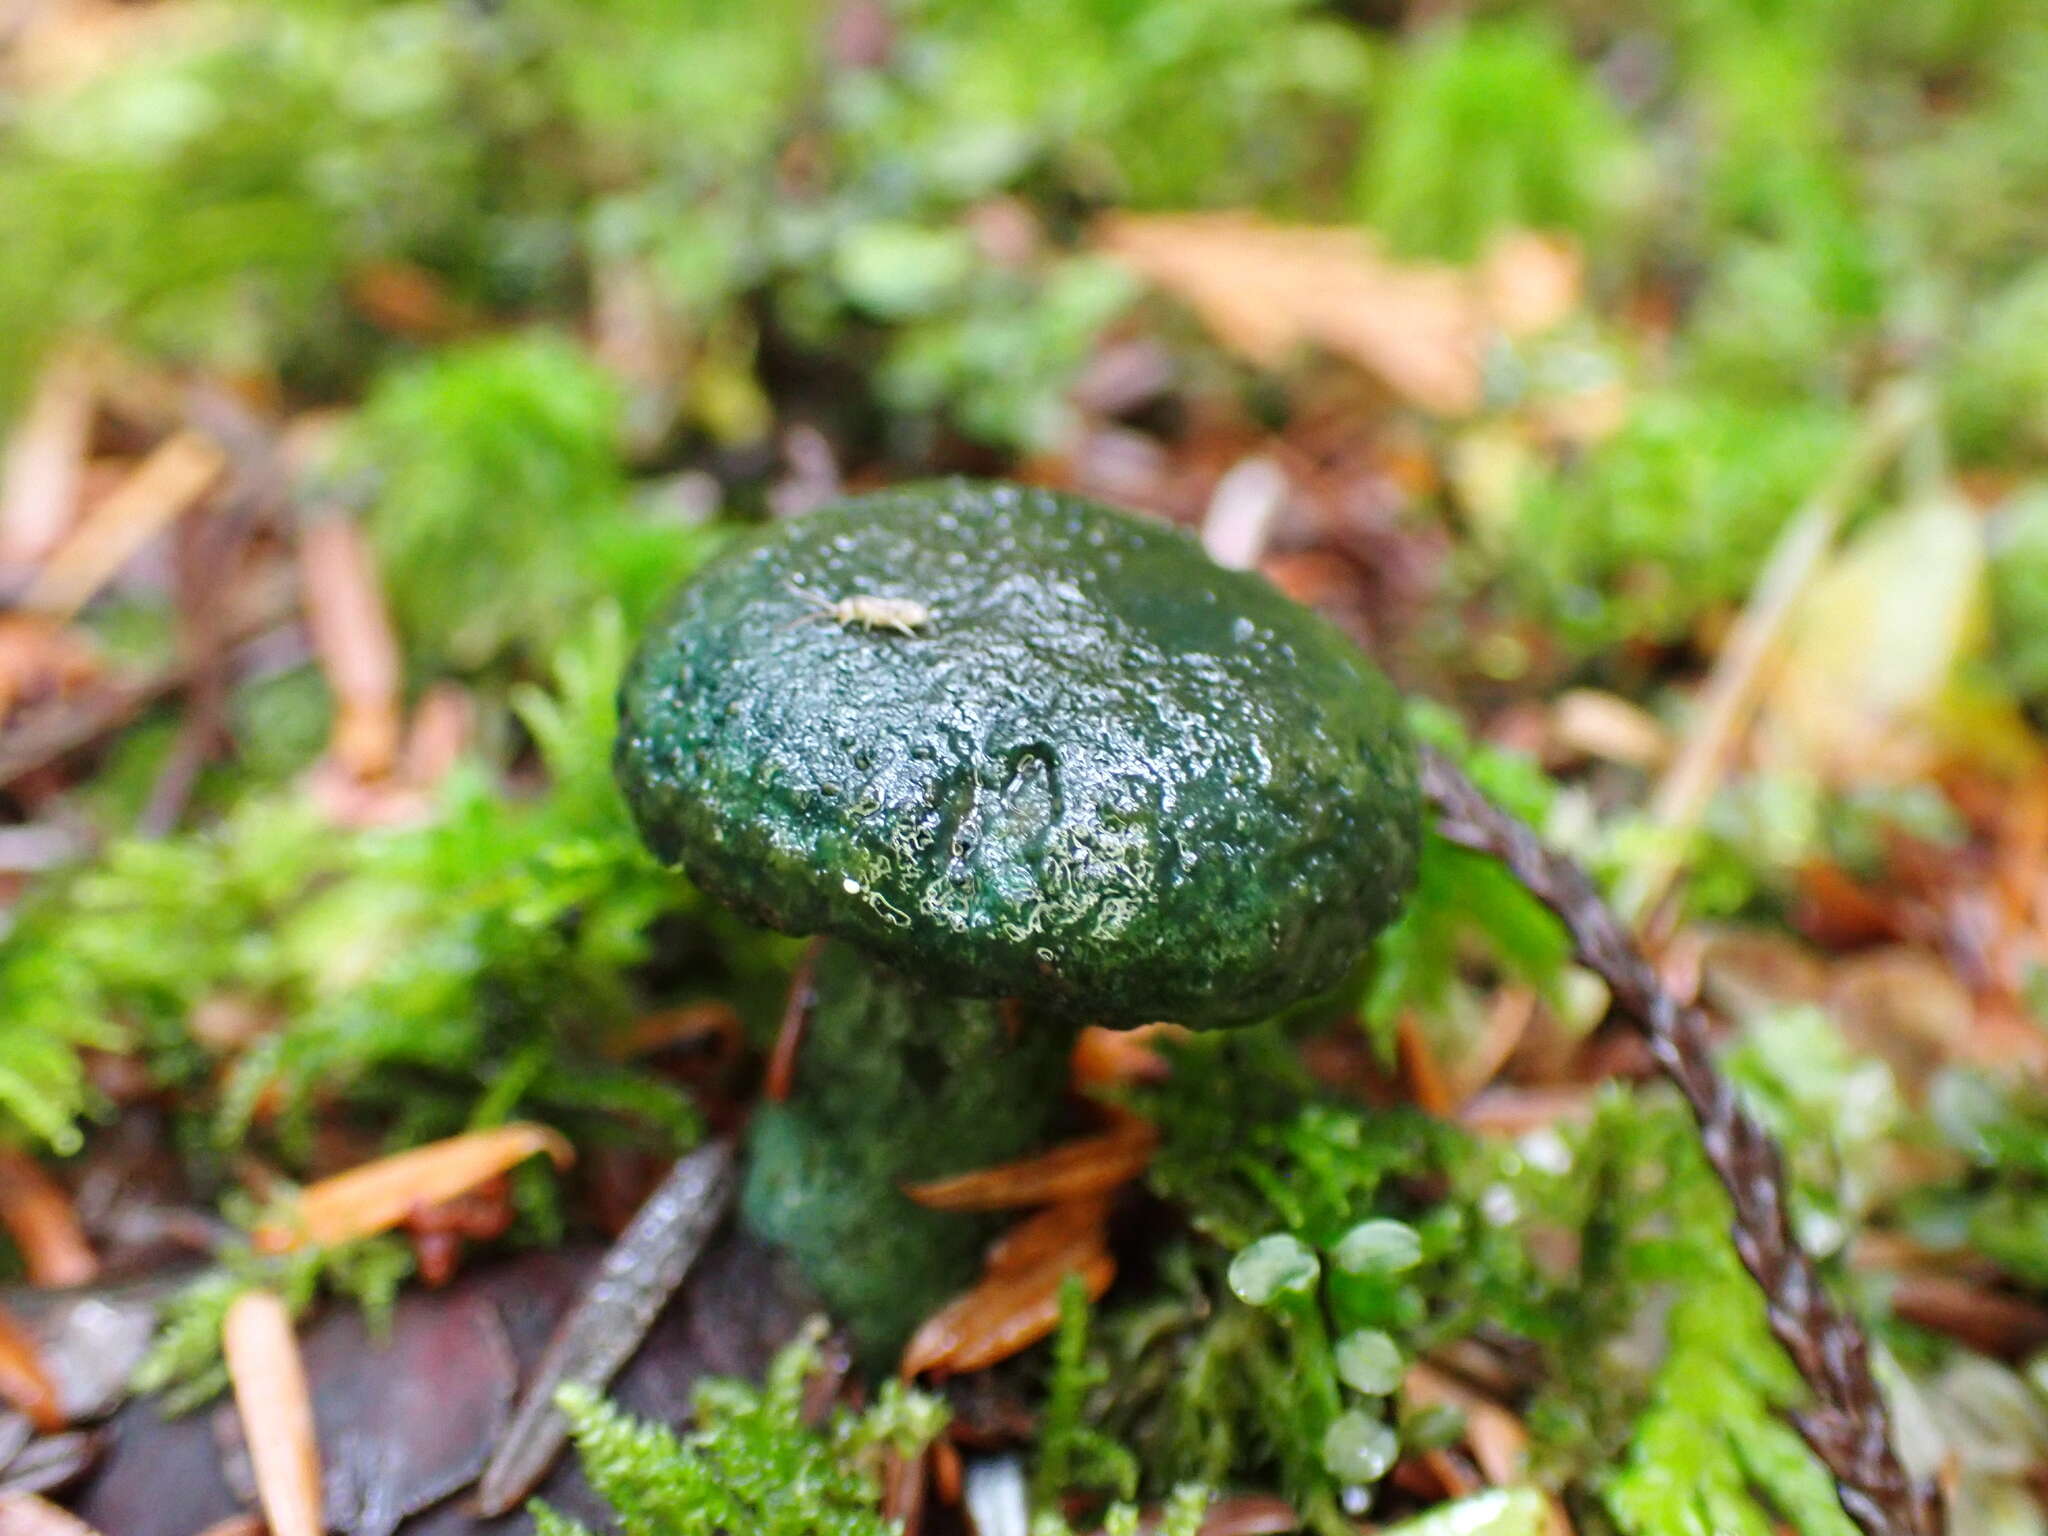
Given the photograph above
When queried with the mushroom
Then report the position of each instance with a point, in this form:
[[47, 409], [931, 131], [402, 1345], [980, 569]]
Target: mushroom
[[1028, 763]]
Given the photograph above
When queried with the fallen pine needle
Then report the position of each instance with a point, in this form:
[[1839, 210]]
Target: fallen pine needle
[[25, 1514], [1496, 1438], [276, 1410], [45, 462], [42, 1223], [1001, 1316], [378, 1196], [354, 643], [23, 1381], [1426, 1082], [161, 489], [1092, 1165], [1075, 1227]]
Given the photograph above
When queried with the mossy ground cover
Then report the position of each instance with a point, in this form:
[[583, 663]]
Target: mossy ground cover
[[544, 304]]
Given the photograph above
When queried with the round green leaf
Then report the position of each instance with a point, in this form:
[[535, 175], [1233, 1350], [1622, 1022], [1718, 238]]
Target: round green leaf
[[1370, 1362], [1378, 1247], [1273, 1267], [1359, 1448]]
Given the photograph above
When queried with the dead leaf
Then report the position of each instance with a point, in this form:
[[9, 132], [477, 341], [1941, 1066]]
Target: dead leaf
[[402, 1421], [276, 1411], [1427, 1084], [1591, 723], [1871, 650], [1250, 1514], [158, 491], [405, 300], [1265, 290], [62, 47], [378, 1196], [1110, 1058], [1241, 513], [1905, 1006], [1734, 691], [1531, 283], [1986, 1319]]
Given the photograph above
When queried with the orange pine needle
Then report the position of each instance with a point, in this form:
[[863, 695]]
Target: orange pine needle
[[1108, 1058], [276, 1410], [688, 1024], [1001, 1316], [1419, 1065], [353, 639], [1073, 1170], [23, 1381], [39, 1217], [789, 1034], [378, 1196], [1079, 1226]]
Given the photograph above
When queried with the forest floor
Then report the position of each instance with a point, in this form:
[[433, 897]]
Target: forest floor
[[1659, 394]]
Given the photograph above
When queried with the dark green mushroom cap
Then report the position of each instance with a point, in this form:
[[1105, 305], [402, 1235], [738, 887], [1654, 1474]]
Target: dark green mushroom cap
[[1100, 773]]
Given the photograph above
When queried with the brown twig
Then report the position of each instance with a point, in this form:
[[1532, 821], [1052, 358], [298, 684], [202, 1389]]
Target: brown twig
[[1848, 1426]]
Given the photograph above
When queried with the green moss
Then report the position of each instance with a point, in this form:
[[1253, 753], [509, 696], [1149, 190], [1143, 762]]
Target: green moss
[[1489, 126], [185, 1365], [498, 503], [1676, 512], [753, 1463], [1072, 1452], [395, 974]]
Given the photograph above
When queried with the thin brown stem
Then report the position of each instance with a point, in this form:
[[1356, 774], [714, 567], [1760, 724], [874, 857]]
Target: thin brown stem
[[1847, 1424]]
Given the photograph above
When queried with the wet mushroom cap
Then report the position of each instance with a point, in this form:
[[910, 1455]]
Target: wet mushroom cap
[[1070, 760]]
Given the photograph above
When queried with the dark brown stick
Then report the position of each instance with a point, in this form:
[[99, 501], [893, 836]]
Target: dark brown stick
[[1847, 1426]]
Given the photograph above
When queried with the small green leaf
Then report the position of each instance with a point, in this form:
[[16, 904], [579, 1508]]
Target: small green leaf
[[1370, 1361], [1496, 1512], [1359, 1448], [1379, 1247], [1273, 1267]]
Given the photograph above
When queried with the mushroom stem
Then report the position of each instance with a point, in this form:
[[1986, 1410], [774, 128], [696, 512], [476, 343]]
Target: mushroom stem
[[894, 1086]]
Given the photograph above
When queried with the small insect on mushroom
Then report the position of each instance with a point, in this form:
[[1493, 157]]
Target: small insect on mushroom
[[904, 615]]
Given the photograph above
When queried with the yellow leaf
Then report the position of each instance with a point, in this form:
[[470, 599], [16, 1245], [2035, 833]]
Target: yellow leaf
[[1872, 650]]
